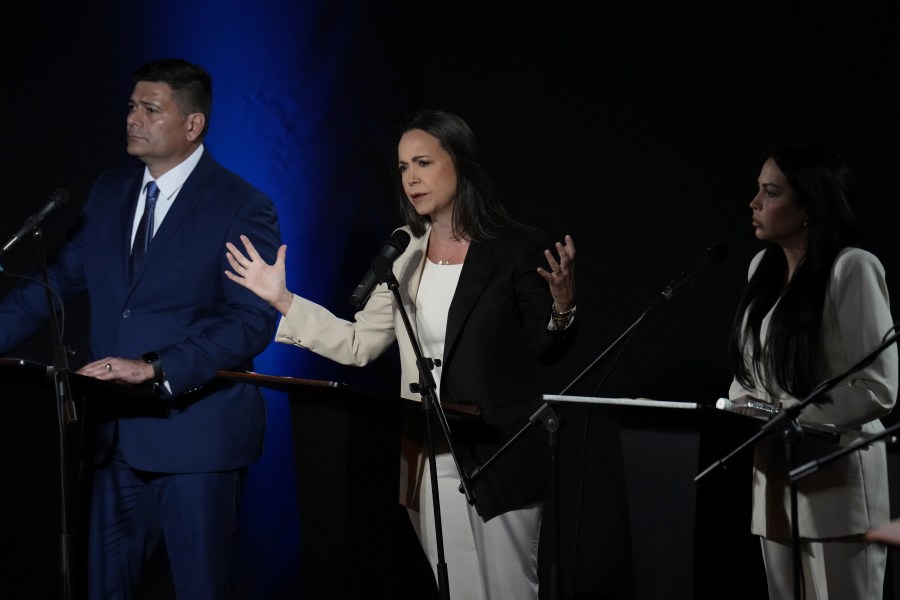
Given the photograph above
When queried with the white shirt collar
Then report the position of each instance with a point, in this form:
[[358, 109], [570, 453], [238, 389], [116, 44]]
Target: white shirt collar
[[171, 181]]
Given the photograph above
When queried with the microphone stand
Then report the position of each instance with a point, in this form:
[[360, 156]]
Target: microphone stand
[[65, 414], [792, 431], [859, 444], [427, 389], [546, 415]]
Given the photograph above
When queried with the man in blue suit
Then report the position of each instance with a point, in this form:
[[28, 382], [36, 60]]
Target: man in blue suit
[[164, 316]]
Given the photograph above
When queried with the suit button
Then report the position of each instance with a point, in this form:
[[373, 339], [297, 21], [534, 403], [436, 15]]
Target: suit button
[[126, 313]]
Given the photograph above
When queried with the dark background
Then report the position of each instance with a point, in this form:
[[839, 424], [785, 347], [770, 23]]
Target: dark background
[[639, 130]]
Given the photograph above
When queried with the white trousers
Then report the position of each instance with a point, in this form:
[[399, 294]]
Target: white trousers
[[832, 570], [493, 560]]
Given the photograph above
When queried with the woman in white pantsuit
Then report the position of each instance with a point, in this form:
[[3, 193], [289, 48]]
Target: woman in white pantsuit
[[814, 306]]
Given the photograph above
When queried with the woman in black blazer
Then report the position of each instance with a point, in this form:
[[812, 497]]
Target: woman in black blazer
[[486, 297]]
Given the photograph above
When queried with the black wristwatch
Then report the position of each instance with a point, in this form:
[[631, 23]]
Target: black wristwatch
[[152, 359]]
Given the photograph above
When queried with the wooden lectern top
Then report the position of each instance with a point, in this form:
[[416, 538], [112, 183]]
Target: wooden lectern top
[[278, 382], [21, 371], [289, 384]]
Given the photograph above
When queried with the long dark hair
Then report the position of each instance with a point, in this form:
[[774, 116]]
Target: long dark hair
[[822, 184], [477, 212]]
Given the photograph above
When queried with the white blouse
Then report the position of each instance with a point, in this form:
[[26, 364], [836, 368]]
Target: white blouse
[[436, 291]]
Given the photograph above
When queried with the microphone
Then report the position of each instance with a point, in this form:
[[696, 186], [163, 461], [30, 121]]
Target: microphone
[[711, 257], [391, 250], [57, 199]]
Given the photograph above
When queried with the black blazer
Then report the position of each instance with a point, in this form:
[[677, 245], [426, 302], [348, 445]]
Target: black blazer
[[496, 337]]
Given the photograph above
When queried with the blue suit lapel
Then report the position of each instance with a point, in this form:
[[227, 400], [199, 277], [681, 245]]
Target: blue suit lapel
[[124, 223], [184, 207]]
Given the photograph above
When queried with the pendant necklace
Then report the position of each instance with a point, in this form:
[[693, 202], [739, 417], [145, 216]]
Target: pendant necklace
[[447, 260]]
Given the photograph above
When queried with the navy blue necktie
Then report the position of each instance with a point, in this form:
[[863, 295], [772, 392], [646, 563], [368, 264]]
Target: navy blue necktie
[[145, 227]]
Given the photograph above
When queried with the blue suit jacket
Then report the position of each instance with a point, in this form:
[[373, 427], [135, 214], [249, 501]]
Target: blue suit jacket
[[179, 304]]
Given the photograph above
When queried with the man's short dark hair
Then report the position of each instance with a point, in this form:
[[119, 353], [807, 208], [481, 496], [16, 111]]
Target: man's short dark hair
[[191, 84]]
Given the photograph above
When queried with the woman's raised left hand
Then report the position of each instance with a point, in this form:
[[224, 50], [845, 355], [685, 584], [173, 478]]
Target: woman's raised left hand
[[561, 275]]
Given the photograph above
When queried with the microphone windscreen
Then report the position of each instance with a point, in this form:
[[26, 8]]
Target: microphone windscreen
[[399, 240], [60, 196]]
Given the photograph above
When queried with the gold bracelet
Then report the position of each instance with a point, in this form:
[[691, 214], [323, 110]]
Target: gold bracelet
[[561, 316]]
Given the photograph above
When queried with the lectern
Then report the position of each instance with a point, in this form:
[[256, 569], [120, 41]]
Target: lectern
[[347, 452], [29, 481], [688, 540]]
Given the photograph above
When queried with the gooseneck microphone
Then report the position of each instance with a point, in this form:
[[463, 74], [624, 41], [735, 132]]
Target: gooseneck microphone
[[711, 257], [57, 199], [391, 250]]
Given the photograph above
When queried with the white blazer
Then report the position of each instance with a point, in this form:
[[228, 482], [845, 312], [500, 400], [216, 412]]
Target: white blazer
[[850, 495]]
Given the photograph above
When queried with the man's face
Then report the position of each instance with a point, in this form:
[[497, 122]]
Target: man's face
[[158, 132]]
